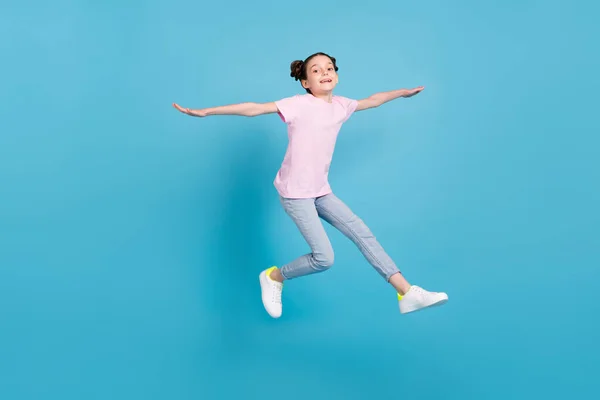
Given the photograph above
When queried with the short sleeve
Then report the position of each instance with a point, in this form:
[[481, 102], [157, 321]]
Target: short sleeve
[[287, 108], [349, 105]]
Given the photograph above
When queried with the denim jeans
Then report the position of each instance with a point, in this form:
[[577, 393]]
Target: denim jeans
[[307, 215]]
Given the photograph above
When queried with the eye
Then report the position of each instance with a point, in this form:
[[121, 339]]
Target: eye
[[330, 68]]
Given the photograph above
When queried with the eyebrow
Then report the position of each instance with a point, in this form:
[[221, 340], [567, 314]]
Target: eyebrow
[[327, 64]]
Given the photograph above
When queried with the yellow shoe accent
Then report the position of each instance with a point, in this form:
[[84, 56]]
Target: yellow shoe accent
[[269, 270], [399, 296]]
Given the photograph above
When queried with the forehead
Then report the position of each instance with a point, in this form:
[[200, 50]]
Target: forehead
[[319, 61]]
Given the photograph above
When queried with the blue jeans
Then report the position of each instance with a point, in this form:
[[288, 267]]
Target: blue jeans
[[306, 214]]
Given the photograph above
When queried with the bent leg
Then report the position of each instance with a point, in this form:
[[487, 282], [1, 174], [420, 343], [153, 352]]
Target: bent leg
[[304, 214]]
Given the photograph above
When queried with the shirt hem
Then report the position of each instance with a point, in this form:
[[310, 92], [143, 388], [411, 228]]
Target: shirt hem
[[304, 195]]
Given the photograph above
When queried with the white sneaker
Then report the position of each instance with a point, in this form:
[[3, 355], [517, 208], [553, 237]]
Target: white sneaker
[[271, 293], [418, 298]]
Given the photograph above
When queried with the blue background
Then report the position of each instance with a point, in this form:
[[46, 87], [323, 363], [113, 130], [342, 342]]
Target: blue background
[[132, 235]]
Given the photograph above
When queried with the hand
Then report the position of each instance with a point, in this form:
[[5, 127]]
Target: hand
[[412, 92], [193, 113]]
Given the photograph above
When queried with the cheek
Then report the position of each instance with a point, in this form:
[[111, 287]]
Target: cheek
[[313, 80]]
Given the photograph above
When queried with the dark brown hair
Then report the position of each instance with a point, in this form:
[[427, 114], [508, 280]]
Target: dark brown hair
[[298, 67]]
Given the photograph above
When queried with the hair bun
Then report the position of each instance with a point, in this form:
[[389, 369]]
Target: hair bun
[[296, 69]]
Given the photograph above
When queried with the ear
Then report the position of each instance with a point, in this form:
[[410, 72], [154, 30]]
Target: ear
[[305, 84]]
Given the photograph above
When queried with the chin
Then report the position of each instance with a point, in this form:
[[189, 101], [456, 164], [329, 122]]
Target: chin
[[327, 88]]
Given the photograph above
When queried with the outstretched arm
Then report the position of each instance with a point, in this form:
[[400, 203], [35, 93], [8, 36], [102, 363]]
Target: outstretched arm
[[242, 109], [380, 98]]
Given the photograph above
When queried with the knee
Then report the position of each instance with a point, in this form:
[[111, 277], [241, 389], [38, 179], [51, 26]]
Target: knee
[[324, 260]]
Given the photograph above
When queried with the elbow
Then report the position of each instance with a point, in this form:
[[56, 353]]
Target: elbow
[[376, 101], [253, 110]]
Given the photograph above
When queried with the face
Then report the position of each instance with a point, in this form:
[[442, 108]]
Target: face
[[321, 75]]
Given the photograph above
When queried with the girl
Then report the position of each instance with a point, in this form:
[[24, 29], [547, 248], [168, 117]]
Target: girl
[[313, 121]]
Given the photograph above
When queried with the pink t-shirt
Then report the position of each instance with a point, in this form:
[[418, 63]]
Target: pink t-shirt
[[313, 126]]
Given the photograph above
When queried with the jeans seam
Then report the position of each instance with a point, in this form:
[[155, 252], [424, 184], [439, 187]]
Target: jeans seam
[[290, 211], [355, 236]]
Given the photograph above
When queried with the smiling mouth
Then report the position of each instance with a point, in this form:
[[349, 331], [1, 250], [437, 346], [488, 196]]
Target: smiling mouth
[[326, 81]]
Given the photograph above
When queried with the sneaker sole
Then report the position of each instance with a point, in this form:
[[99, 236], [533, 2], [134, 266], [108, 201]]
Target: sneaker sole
[[436, 304]]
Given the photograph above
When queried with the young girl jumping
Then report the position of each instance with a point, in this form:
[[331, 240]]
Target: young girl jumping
[[313, 121]]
